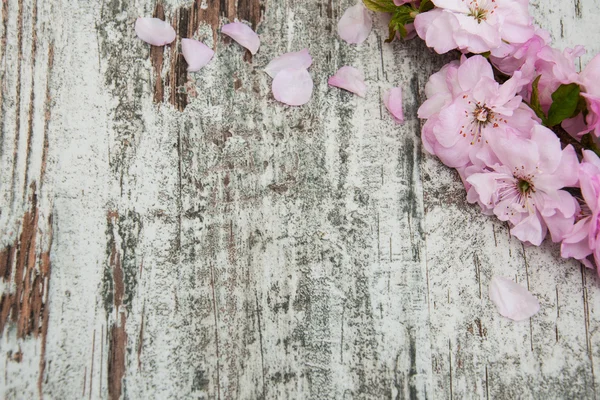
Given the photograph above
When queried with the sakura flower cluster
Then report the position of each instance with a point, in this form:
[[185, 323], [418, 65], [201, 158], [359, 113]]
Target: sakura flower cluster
[[517, 121]]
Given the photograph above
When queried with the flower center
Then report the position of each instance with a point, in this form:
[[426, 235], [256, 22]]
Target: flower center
[[524, 186], [483, 115], [478, 13]]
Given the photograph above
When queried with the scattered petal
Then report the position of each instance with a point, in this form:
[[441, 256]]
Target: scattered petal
[[154, 31], [393, 102], [242, 34], [355, 25], [196, 54], [293, 86], [512, 300], [350, 79], [299, 59]]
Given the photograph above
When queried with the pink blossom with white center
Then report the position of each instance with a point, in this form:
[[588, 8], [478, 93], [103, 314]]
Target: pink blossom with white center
[[479, 108], [474, 26], [525, 187], [583, 239]]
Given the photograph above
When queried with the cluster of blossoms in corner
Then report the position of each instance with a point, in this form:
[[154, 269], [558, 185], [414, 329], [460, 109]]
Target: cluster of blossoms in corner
[[513, 116]]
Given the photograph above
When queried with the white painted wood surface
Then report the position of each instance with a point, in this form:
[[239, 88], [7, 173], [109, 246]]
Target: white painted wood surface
[[217, 244]]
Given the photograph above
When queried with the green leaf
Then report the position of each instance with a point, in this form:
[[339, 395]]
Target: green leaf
[[534, 103], [587, 141], [391, 35], [564, 103], [400, 17], [426, 5], [380, 5]]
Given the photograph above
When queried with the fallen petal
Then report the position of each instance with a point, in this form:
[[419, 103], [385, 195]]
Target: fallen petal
[[242, 34], [196, 54], [350, 79], [512, 300], [299, 59], [293, 86], [154, 31], [355, 25], [393, 102]]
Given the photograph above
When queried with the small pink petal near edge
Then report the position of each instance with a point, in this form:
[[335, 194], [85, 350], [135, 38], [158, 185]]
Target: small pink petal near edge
[[350, 79], [512, 300], [293, 86], [154, 31], [196, 54], [242, 34], [298, 59], [393, 102], [355, 25]]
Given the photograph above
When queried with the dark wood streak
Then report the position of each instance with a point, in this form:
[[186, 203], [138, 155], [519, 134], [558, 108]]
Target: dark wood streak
[[47, 113], [2, 70], [17, 99], [156, 57], [45, 268], [27, 307], [31, 95], [117, 337]]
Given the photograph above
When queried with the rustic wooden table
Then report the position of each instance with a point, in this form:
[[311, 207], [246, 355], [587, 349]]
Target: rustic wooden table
[[165, 235]]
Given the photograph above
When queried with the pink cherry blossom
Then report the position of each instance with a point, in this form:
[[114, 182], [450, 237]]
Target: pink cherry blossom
[[512, 300], [196, 54], [355, 25], [556, 68], [474, 108], [583, 239], [525, 187], [298, 59], [242, 34], [509, 58], [155, 31], [350, 79], [393, 102], [474, 26], [293, 86]]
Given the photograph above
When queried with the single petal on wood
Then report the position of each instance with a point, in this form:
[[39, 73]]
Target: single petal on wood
[[196, 54], [512, 300], [154, 31], [242, 34], [393, 102], [293, 86], [299, 59], [350, 79], [355, 25]]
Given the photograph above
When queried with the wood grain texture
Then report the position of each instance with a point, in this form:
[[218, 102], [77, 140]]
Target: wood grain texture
[[174, 235]]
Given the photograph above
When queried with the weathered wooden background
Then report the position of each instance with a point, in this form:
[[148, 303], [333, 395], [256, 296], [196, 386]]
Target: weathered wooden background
[[165, 235]]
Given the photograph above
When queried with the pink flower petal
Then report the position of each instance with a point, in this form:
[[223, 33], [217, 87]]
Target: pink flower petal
[[154, 31], [242, 34], [393, 102], [355, 25], [299, 59], [293, 86], [350, 79], [512, 300], [196, 54]]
